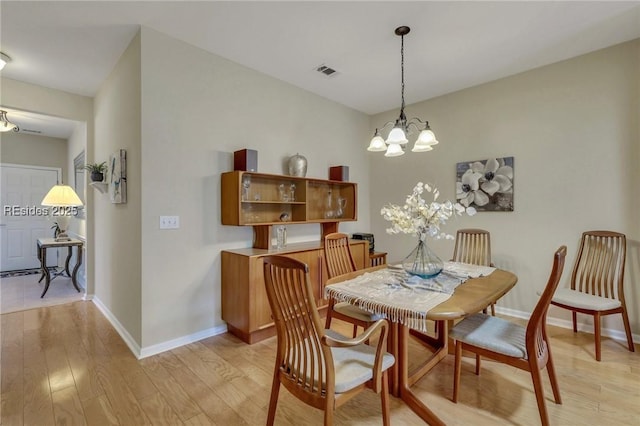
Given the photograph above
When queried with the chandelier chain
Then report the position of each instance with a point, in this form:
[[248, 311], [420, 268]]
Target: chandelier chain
[[402, 68]]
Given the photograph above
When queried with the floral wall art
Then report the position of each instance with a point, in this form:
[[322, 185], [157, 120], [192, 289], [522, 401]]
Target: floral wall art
[[486, 185]]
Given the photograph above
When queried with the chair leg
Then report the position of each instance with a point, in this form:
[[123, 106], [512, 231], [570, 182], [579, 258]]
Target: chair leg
[[327, 322], [328, 413], [493, 309], [539, 391], [355, 330], [456, 370], [384, 396], [477, 365], [627, 329], [273, 401], [596, 328], [574, 317], [552, 378]]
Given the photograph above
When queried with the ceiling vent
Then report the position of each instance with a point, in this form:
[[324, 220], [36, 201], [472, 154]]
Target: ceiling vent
[[31, 131], [327, 71]]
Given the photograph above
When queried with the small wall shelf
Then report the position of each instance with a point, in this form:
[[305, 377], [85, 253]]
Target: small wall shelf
[[100, 186]]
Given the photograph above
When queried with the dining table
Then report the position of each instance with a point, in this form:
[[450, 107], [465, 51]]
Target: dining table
[[411, 305]]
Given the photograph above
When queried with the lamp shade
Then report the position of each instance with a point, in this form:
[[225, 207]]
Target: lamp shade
[[61, 195], [427, 137], [394, 150], [397, 136], [377, 144]]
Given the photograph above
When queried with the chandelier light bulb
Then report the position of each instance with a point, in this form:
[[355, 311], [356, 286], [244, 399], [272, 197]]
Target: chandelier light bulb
[[394, 150], [377, 144], [397, 136]]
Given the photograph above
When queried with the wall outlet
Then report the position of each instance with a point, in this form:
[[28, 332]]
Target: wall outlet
[[169, 222]]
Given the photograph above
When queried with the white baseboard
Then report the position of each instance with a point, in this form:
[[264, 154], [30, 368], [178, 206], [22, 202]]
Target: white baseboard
[[181, 341], [133, 346], [157, 348], [618, 335]]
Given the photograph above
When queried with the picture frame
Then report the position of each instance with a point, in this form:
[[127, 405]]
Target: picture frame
[[117, 176], [486, 185]]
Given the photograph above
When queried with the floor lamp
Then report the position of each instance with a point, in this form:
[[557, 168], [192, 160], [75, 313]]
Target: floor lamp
[[63, 202]]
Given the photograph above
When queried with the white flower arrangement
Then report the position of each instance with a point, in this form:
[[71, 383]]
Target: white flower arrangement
[[420, 218]]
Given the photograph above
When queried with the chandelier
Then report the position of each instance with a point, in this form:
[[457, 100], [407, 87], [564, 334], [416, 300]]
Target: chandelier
[[397, 138], [5, 124]]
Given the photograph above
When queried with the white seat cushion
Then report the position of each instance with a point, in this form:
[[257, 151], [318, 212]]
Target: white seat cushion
[[354, 365], [580, 300], [492, 333], [352, 311]]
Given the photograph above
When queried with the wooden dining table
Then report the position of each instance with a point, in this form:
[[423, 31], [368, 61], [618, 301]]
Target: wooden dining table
[[470, 297]]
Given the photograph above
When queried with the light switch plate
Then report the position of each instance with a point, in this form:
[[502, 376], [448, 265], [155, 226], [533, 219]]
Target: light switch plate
[[169, 222]]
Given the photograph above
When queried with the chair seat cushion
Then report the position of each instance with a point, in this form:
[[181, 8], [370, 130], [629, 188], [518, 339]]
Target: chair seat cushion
[[352, 311], [492, 333], [354, 365], [577, 299]]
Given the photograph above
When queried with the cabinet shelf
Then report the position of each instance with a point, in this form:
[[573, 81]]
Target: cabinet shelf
[[326, 202]]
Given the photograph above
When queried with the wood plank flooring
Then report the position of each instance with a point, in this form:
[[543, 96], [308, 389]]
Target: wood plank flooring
[[66, 365]]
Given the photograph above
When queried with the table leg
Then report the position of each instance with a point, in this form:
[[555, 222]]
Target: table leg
[[43, 266], [392, 347], [66, 262], [43, 261], [75, 269], [406, 379]]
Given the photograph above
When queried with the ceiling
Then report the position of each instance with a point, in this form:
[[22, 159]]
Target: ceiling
[[73, 46]]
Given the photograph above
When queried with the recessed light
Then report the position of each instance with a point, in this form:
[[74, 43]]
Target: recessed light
[[4, 60]]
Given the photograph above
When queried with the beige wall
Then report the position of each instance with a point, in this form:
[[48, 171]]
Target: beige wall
[[76, 144], [573, 128], [23, 148], [197, 108], [117, 226]]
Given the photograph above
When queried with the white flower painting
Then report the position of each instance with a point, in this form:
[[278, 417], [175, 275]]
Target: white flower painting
[[486, 185], [117, 176]]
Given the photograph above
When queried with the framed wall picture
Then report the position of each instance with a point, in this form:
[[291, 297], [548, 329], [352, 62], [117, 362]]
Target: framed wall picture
[[486, 185], [117, 176]]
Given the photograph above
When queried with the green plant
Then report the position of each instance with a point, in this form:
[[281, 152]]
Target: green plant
[[96, 168]]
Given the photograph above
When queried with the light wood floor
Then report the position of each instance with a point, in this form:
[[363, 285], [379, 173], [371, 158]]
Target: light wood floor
[[66, 365]]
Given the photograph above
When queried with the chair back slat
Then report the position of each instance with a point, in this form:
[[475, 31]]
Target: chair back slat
[[599, 266], [302, 359], [536, 328], [337, 254], [473, 246]]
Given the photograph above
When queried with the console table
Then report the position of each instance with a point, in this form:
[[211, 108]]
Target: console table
[[46, 243]]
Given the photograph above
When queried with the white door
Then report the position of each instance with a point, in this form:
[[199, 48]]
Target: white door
[[23, 220]]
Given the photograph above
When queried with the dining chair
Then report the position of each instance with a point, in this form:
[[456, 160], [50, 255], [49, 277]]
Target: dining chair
[[339, 261], [597, 282], [474, 246], [320, 367], [526, 348]]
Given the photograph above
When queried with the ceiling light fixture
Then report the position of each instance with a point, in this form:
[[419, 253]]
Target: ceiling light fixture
[[4, 60], [397, 138], [5, 124]]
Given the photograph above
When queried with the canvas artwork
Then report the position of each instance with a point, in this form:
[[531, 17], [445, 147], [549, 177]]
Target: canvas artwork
[[117, 176], [486, 185]]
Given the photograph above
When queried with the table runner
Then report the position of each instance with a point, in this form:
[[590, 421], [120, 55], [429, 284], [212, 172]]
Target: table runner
[[396, 295]]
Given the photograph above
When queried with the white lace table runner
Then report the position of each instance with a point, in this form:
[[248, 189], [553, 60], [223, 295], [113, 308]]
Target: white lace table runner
[[400, 297]]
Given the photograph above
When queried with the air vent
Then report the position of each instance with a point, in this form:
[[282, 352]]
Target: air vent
[[31, 131], [327, 71]]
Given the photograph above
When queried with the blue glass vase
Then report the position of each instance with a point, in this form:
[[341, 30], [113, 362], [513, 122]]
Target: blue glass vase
[[423, 262]]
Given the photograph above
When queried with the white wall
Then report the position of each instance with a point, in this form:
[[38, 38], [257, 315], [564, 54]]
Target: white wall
[[197, 108], [117, 226], [573, 128]]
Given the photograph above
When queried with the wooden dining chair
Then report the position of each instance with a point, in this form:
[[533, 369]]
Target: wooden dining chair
[[320, 367], [597, 282], [339, 261], [474, 246], [526, 348]]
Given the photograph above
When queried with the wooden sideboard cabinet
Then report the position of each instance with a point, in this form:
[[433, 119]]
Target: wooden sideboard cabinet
[[245, 306]]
